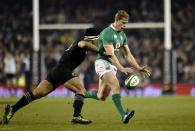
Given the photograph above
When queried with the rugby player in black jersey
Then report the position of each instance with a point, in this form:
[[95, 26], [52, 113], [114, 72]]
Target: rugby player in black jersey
[[62, 73]]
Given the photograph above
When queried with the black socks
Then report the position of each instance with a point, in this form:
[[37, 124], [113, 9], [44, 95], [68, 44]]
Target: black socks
[[25, 100], [78, 104]]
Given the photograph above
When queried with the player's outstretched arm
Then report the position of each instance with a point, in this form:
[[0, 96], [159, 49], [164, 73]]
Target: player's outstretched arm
[[132, 61], [88, 45]]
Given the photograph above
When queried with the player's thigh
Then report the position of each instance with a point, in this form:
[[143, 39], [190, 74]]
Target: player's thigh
[[76, 85], [106, 72], [106, 83], [109, 79], [43, 89], [101, 90]]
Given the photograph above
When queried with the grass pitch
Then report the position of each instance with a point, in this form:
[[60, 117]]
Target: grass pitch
[[167, 113]]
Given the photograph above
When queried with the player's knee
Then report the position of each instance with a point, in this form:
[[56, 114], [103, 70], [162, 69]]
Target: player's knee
[[101, 97], [39, 94], [36, 94], [81, 91], [112, 84]]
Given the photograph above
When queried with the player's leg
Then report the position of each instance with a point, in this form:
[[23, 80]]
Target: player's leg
[[101, 67], [76, 85], [41, 90], [103, 91], [111, 81], [91, 94]]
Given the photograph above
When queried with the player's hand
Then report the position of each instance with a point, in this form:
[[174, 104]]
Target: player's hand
[[145, 71], [127, 70]]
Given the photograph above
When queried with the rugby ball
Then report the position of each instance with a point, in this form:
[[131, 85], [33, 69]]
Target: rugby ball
[[132, 81]]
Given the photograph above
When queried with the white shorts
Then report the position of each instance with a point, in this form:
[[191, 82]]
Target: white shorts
[[103, 66]]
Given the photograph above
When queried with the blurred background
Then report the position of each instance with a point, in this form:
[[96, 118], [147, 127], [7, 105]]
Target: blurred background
[[60, 22]]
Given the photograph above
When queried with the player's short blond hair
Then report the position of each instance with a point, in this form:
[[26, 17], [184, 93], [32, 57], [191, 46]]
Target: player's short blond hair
[[121, 14]]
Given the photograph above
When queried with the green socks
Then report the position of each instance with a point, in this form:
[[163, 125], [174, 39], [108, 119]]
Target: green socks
[[91, 94], [117, 101]]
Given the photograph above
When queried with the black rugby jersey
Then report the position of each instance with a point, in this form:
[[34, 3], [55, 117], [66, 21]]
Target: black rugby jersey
[[73, 56]]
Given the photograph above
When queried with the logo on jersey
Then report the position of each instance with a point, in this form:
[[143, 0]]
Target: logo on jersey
[[117, 42]]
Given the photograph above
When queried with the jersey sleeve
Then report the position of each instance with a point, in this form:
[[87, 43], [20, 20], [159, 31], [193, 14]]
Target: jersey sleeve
[[106, 37]]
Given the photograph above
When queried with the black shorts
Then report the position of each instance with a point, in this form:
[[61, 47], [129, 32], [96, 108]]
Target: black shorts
[[59, 75]]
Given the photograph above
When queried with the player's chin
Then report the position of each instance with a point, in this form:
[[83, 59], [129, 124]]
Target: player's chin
[[122, 29]]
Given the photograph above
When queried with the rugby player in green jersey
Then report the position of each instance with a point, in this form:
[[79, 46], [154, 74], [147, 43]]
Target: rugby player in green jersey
[[112, 40]]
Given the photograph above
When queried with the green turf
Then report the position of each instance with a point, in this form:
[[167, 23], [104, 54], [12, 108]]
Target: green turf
[[168, 113]]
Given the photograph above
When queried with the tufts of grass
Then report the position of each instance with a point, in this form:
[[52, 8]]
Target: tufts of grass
[[166, 113]]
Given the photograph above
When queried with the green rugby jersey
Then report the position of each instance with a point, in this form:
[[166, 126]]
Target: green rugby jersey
[[111, 36]]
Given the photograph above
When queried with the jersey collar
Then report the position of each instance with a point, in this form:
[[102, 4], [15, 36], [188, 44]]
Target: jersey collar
[[111, 25]]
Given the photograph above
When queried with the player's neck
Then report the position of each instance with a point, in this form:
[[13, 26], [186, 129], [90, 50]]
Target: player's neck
[[116, 26]]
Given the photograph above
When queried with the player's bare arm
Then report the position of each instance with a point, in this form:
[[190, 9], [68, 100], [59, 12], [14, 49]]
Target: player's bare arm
[[88, 45], [110, 51], [132, 61]]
